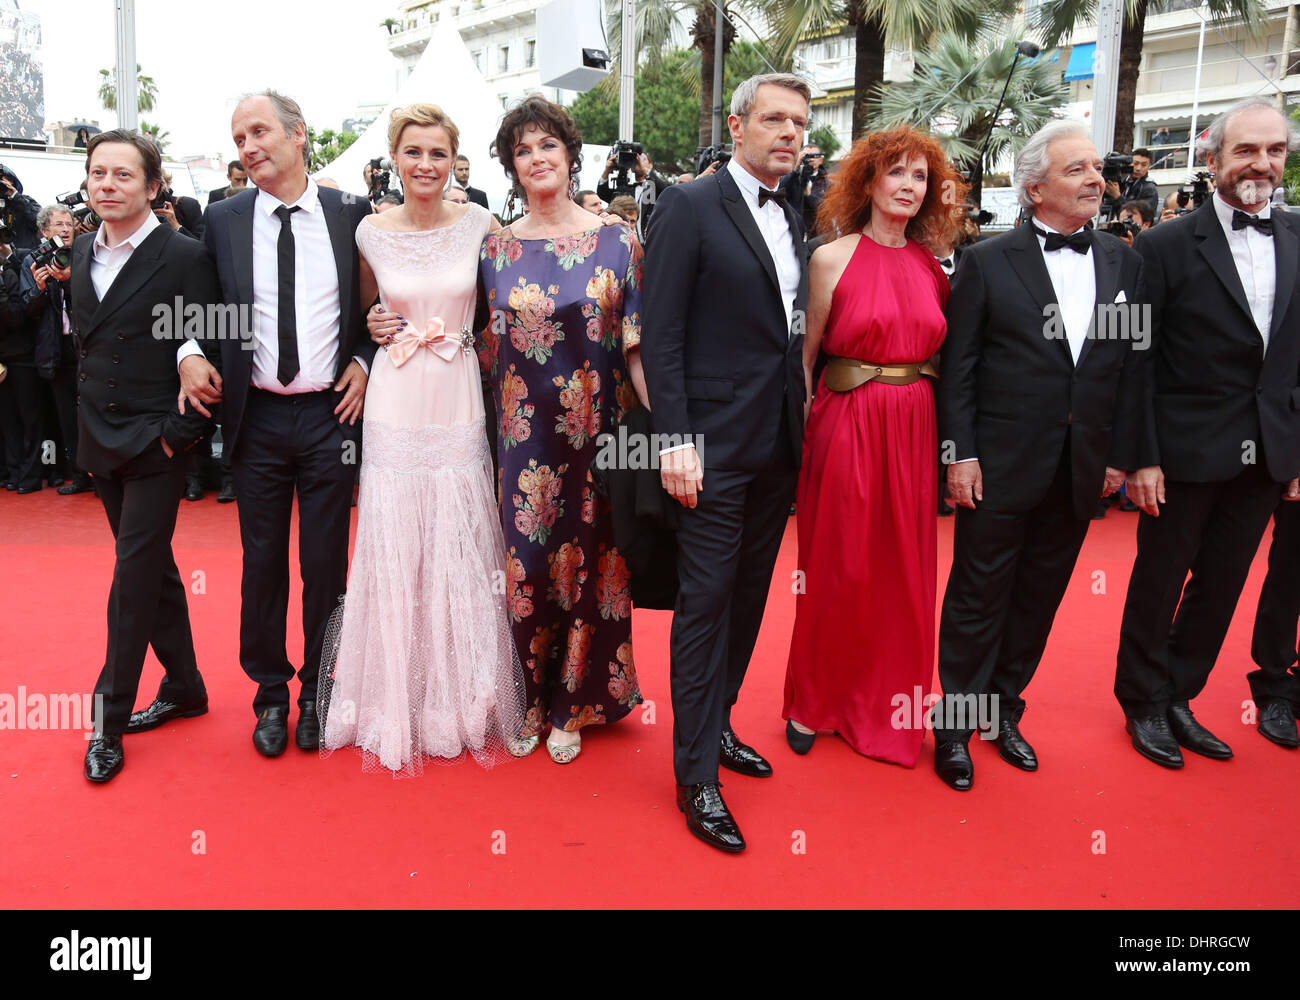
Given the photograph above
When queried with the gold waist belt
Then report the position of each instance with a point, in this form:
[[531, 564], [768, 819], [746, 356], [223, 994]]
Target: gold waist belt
[[846, 374]]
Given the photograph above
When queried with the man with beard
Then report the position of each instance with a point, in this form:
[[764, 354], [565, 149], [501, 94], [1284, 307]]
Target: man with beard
[[1221, 441]]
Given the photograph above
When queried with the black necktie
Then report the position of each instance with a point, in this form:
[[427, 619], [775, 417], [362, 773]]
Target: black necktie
[[764, 196], [1079, 242], [1240, 220], [287, 369]]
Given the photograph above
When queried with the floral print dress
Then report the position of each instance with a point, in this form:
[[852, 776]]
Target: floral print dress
[[564, 314]]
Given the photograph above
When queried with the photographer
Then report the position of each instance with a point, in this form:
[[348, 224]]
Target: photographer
[[17, 213], [378, 176], [182, 213], [1134, 217], [43, 289], [806, 187], [20, 399], [646, 188], [1135, 186]]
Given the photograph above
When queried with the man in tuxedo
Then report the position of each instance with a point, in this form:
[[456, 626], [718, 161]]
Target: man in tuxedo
[[1275, 686], [291, 398], [131, 435], [237, 177], [461, 172], [1221, 436], [725, 289], [1039, 380]]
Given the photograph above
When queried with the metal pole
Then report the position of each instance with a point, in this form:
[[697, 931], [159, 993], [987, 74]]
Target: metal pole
[[1196, 99], [1105, 79], [128, 115], [627, 76], [719, 30]]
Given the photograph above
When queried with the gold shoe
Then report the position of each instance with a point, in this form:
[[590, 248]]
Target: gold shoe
[[563, 753], [522, 746]]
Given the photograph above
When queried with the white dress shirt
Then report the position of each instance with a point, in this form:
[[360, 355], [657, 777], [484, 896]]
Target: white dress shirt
[[106, 261], [316, 296], [775, 228], [1252, 252], [1074, 279]]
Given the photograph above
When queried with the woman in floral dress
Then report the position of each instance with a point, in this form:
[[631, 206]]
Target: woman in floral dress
[[562, 352]]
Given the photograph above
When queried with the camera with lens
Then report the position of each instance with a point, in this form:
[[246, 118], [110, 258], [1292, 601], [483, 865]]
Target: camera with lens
[[706, 155], [164, 197], [1114, 166], [1122, 228], [622, 178], [78, 204], [1196, 192], [52, 252], [7, 234], [380, 176]]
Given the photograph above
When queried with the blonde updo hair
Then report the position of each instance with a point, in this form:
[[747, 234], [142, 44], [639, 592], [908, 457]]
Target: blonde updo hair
[[421, 114]]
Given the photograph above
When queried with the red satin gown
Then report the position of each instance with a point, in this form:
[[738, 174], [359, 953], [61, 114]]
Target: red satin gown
[[862, 652]]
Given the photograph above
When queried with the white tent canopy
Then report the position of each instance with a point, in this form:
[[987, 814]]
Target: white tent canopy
[[445, 76]]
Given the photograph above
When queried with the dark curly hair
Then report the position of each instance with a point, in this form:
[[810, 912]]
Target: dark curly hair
[[550, 118]]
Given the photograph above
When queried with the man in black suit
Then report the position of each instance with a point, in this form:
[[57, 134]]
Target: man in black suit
[[725, 288], [1221, 432], [1275, 686], [291, 397], [131, 435], [461, 173], [1039, 380], [238, 178]]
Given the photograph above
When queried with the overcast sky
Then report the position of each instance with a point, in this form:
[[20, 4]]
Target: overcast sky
[[330, 56]]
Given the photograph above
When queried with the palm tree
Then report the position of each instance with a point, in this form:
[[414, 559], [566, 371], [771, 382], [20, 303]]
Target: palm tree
[[146, 91], [877, 23], [159, 136], [390, 23], [1056, 20], [956, 86]]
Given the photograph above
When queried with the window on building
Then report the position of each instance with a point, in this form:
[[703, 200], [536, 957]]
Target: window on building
[[477, 56], [530, 53], [503, 59]]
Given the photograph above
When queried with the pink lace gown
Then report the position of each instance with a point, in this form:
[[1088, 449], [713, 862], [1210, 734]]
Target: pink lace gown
[[425, 666]]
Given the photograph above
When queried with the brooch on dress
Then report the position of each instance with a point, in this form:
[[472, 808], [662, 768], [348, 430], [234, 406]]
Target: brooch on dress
[[466, 340]]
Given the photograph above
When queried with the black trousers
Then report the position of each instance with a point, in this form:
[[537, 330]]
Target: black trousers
[[1211, 530], [1009, 573], [287, 445], [64, 389], [1273, 645], [147, 604], [726, 550], [21, 413]]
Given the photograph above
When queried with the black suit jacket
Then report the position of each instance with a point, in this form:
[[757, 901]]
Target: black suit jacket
[[127, 377], [1010, 391], [1208, 385], [476, 196], [229, 236], [719, 360], [218, 194]]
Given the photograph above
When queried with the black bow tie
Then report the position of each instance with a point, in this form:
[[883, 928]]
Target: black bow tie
[[764, 196], [1080, 242], [1240, 220]]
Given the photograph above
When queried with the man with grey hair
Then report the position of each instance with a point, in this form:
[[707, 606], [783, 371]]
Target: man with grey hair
[[291, 397], [725, 289], [1220, 445], [1039, 386]]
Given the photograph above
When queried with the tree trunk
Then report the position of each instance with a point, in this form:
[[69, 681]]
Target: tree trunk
[[703, 32], [869, 67], [1130, 57]]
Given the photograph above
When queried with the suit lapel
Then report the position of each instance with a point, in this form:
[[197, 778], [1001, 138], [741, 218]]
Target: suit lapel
[[241, 247], [342, 240], [735, 206], [1213, 245], [144, 263], [1026, 259], [1105, 264], [1285, 256]]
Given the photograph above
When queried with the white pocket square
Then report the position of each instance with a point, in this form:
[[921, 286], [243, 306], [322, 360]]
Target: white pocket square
[[1121, 297]]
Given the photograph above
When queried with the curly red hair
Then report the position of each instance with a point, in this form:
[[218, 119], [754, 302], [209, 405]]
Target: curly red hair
[[847, 205]]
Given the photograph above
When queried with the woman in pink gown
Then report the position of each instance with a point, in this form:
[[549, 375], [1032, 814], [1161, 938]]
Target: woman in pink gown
[[862, 653], [426, 666]]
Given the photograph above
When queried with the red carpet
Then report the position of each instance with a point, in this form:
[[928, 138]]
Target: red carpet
[[198, 819]]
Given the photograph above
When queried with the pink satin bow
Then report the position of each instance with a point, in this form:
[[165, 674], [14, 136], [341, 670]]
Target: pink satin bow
[[434, 337]]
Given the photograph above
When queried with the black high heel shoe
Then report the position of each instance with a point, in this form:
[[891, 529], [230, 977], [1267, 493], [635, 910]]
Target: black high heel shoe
[[799, 742]]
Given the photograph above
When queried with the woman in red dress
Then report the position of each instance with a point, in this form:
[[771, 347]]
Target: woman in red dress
[[862, 653]]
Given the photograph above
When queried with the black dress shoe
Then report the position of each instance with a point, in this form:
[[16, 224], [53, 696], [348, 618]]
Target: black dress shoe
[[708, 818], [104, 758], [271, 734], [1191, 734], [29, 489], [1014, 748], [1277, 723], [1129, 507], [952, 763], [1153, 740], [799, 742], [227, 494], [736, 756], [80, 484], [307, 734], [164, 711], [54, 482], [193, 489]]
